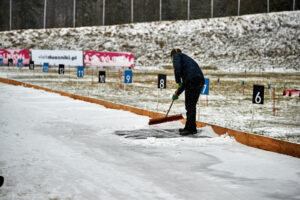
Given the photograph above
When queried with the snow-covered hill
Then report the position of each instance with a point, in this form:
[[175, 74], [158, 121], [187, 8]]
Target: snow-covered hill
[[264, 42]]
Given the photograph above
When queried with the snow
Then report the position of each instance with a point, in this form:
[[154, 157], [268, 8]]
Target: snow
[[54, 147]]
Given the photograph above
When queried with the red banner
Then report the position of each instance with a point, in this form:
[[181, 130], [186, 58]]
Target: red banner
[[15, 55], [108, 59]]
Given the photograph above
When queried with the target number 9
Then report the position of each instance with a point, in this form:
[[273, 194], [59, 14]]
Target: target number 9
[[128, 76]]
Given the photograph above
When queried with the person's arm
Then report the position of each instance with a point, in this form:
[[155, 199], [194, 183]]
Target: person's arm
[[177, 67], [180, 89], [178, 73]]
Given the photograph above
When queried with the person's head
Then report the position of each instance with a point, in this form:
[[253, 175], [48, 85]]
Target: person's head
[[174, 51]]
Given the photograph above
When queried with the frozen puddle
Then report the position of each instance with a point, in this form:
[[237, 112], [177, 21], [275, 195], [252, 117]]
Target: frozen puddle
[[156, 133]]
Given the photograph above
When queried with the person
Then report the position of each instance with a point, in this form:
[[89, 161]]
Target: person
[[189, 78]]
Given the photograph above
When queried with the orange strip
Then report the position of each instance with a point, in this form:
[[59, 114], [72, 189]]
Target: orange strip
[[248, 139]]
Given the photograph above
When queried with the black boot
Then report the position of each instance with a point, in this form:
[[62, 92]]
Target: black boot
[[181, 129], [1, 180], [184, 132]]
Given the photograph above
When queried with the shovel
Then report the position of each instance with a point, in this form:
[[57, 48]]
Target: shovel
[[166, 118]]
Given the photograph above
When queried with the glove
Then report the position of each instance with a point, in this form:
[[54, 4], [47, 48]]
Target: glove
[[174, 97]]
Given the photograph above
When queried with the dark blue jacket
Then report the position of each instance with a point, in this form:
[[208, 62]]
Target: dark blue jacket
[[185, 69]]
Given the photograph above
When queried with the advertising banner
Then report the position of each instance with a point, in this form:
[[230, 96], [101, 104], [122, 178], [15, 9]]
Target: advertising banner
[[108, 59], [56, 57], [15, 55]]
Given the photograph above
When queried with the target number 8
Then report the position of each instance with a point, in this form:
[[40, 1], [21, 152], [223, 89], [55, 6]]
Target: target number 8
[[162, 83]]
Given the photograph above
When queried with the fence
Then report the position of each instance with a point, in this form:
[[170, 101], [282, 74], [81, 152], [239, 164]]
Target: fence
[[25, 14]]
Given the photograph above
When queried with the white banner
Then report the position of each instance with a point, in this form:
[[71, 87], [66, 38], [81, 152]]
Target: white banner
[[56, 57]]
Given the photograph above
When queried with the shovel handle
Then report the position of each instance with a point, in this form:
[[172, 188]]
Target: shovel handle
[[169, 108]]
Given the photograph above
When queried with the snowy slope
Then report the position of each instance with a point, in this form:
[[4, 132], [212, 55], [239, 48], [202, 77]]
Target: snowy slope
[[53, 147], [254, 42]]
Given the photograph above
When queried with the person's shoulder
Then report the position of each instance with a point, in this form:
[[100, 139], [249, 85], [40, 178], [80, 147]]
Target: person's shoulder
[[185, 56], [177, 54]]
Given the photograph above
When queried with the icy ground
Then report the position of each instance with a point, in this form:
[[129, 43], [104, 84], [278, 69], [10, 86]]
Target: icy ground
[[53, 147]]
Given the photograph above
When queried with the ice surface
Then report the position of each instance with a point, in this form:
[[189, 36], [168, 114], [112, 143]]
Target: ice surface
[[53, 147]]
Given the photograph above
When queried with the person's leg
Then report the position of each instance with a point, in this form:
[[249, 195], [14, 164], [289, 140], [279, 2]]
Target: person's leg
[[192, 93], [192, 96], [188, 108]]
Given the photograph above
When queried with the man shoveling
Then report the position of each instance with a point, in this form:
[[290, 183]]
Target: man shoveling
[[189, 78]]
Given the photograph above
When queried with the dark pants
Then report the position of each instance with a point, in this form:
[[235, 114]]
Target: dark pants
[[193, 89]]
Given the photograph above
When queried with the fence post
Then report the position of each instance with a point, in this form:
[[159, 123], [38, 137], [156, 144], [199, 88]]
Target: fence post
[[131, 11], [212, 8], [10, 8], [45, 12], [274, 109], [239, 5], [294, 5], [268, 6], [103, 13], [74, 14], [160, 8], [188, 9]]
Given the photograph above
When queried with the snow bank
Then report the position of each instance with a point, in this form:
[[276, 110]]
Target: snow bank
[[267, 42]]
